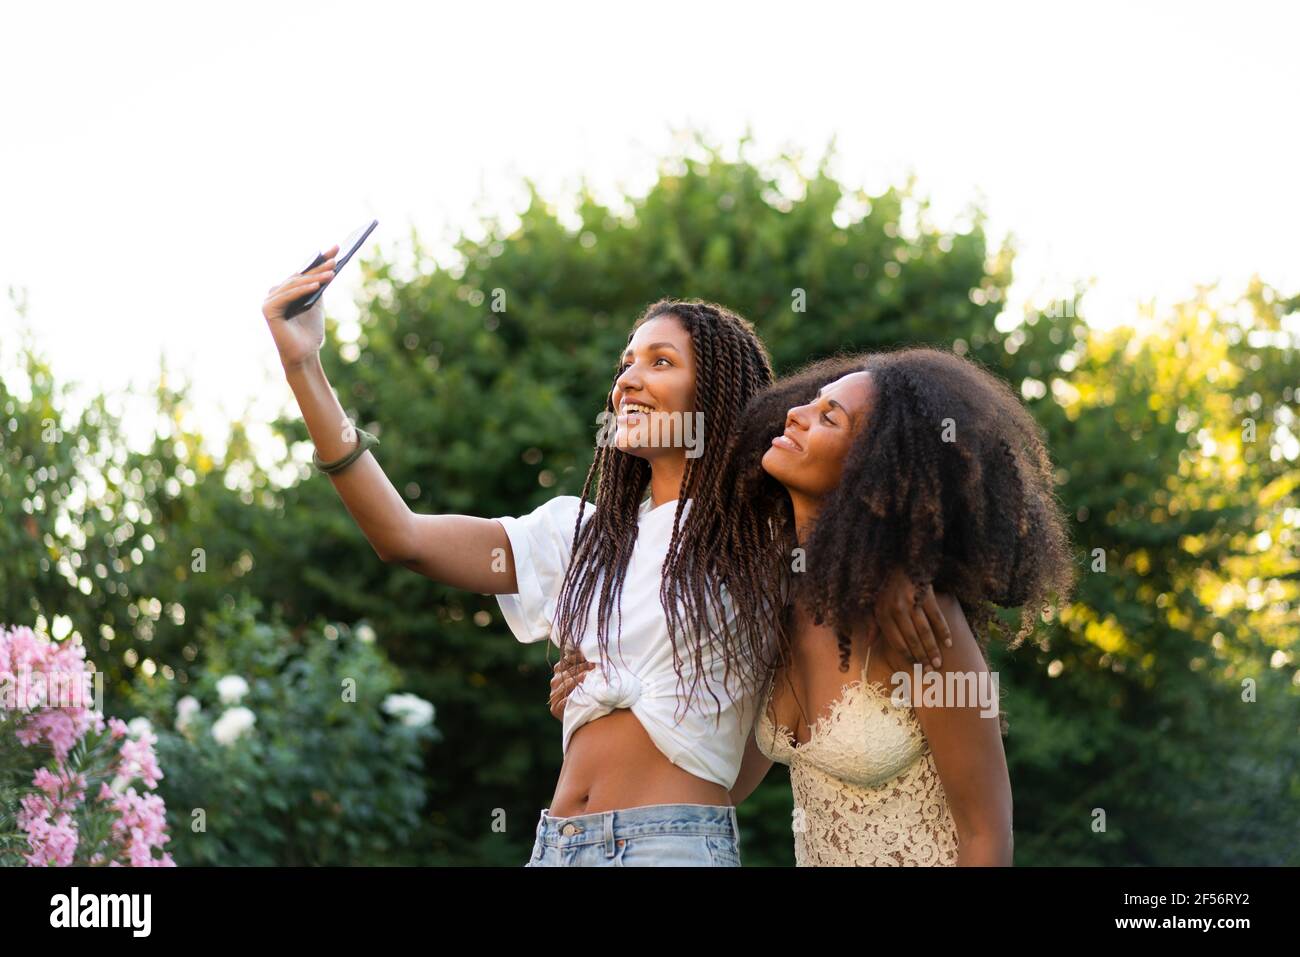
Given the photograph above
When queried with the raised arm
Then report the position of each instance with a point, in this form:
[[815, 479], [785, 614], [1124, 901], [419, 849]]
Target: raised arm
[[457, 550]]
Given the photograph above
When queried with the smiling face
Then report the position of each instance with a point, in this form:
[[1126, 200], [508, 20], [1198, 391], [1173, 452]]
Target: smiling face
[[808, 457], [655, 389]]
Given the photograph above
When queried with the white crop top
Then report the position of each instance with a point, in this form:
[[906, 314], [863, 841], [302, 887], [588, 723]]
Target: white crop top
[[640, 670]]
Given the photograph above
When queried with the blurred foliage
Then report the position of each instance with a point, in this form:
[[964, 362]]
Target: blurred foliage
[[483, 375], [323, 777], [1167, 695]]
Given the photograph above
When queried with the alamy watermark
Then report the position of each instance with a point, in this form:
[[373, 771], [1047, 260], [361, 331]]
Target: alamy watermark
[[949, 689], [30, 690], [655, 430]]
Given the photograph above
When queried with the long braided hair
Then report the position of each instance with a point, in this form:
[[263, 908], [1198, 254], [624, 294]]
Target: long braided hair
[[718, 542]]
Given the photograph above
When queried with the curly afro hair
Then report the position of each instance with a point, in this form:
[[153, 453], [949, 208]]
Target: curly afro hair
[[949, 480]]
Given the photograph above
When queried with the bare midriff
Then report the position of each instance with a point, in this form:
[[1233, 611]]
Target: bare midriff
[[612, 764]]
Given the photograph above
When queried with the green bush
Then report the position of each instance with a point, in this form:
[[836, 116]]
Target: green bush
[[324, 777]]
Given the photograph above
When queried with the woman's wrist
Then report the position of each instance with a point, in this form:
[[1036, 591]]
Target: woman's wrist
[[328, 425], [303, 367]]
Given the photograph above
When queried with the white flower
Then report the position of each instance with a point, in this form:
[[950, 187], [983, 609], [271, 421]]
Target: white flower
[[231, 689], [414, 711], [186, 709], [233, 723], [365, 633], [139, 726], [119, 784]]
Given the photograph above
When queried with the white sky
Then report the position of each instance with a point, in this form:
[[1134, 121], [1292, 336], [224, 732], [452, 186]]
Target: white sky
[[161, 164]]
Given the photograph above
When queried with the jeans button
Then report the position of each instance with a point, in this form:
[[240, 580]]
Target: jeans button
[[570, 829]]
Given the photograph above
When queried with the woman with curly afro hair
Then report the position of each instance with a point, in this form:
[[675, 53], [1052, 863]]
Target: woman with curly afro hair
[[917, 459]]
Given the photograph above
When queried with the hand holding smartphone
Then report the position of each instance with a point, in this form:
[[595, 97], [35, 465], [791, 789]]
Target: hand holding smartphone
[[346, 249]]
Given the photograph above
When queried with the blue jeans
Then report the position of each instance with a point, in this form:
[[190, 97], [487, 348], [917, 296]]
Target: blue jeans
[[656, 835]]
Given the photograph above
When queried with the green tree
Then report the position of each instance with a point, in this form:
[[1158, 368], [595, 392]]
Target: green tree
[[483, 377]]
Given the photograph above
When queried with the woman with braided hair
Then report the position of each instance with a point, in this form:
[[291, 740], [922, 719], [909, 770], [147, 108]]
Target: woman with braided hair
[[916, 458], [653, 551]]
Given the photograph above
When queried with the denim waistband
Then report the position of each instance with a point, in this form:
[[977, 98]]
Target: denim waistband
[[606, 826]]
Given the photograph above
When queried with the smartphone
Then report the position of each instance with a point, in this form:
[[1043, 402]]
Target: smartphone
[[346, 249]]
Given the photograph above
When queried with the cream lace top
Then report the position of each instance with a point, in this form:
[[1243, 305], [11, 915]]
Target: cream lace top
[[866, 790]]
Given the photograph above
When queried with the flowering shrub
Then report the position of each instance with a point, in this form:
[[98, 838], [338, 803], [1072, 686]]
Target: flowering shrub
[[67, 776], [287, 749]]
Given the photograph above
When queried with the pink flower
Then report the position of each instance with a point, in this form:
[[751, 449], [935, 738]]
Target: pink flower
[[51, 841], [52, 707], [139, 760], [52, 690], [142, 826], [65, 792]]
